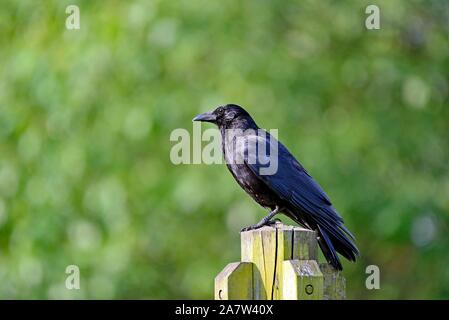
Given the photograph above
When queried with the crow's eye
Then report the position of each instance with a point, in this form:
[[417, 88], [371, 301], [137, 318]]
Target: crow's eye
[[219, 111]]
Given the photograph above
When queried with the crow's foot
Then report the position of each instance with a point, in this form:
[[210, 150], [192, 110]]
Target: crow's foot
[[264, 222], [260, 225]]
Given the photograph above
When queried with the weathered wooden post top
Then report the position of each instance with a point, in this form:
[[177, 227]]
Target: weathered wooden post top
[[279, 263]]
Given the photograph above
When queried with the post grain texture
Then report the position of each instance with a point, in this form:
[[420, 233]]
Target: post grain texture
[[279, 263]]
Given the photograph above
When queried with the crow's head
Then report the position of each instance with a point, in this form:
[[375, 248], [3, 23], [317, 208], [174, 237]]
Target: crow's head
[[227, 116]]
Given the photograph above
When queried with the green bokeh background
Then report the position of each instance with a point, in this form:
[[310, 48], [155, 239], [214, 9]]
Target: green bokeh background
[[86, 116]]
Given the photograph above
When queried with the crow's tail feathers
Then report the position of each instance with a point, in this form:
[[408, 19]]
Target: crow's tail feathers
[[333, 239]]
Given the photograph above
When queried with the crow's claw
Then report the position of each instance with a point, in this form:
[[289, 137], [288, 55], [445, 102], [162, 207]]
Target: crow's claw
[[259, 225], [264, 222], [248, 228]]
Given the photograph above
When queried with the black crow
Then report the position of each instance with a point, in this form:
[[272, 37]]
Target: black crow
[[285, 186]]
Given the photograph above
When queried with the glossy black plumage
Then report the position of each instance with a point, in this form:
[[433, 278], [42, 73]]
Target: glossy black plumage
[[290, 187]]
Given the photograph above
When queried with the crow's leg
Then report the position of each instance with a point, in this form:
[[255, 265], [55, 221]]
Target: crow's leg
[[265, 221]]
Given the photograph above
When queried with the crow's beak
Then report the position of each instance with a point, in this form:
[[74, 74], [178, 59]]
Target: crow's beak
[[205, 117]]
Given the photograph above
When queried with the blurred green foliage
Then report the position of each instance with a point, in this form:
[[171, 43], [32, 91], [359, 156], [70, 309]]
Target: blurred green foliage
[[86, 116]]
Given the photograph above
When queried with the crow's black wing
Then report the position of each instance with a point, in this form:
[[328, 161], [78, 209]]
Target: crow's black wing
[[293, 184]]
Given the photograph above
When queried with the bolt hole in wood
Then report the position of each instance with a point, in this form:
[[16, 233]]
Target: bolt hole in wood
[[309, 289]]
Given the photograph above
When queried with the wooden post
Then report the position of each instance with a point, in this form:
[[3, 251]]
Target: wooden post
[[334, 283], [235, 282], [279, 263]]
